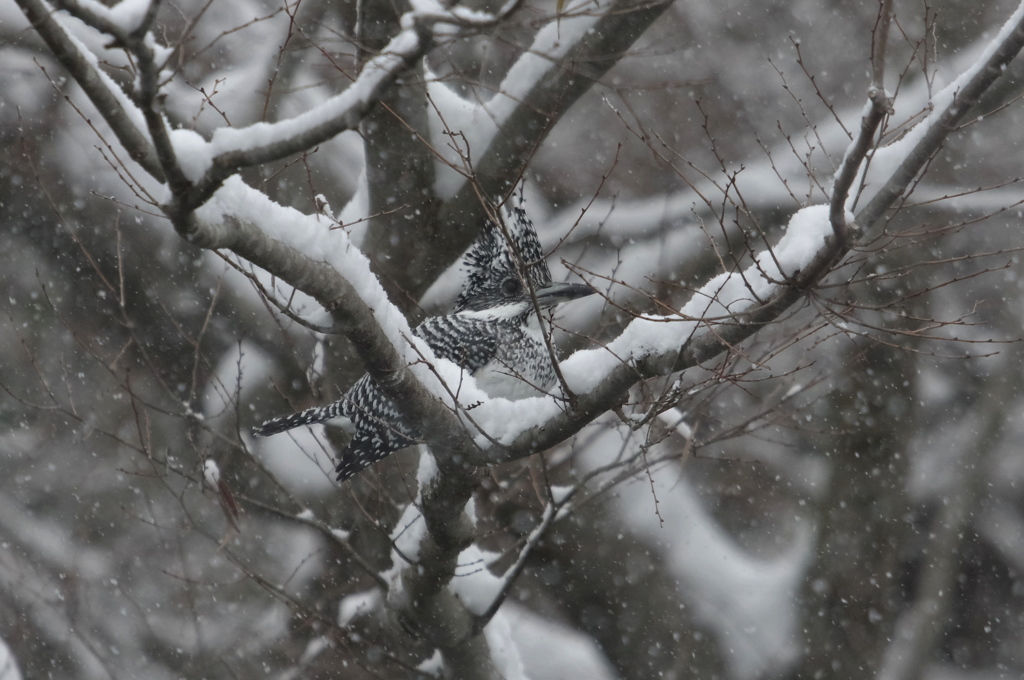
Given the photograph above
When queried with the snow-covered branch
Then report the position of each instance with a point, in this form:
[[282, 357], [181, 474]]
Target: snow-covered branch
[[234, 148], [241, 220], [567, 57], [746, 301], [118, 110], [205, 165], [150, 356]]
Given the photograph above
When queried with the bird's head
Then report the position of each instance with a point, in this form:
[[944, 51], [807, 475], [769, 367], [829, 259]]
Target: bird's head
[[501, 270]]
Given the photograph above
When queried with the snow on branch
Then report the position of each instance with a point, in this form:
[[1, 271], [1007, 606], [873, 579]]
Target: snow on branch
[[479, 122], [196, 167], [124, 118], [900, 162], [434, 12], [566, 58], [732, 307], [308, 255], [123, 19], [234, 148]]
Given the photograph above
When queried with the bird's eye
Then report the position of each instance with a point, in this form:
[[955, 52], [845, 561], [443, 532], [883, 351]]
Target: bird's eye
[[510, 286]]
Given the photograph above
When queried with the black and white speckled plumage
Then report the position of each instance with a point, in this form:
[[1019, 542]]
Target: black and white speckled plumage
[[494, 333]]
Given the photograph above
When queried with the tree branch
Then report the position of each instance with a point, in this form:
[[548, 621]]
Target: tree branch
[[122, 116], [353, 316], [233, 148], [926, 139], [522, 131]]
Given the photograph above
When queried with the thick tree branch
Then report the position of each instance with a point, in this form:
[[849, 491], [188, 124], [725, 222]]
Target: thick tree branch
[[352, 316], [234, 150], [709, 344], [122, 116], [399, 167], [500, 165]]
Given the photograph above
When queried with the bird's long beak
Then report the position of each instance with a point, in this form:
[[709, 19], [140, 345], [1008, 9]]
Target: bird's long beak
[[557, 293]]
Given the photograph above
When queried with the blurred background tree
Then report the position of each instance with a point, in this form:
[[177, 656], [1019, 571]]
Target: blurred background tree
[[837, 497]]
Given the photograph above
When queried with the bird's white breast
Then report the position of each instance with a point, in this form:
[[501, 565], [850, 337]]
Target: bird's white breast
[[522, 366]]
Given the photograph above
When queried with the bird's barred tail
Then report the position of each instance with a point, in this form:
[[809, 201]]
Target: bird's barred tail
[[350, 464], [317, 414]]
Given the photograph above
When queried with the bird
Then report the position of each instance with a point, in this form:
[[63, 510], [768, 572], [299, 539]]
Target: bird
[[494, 332]]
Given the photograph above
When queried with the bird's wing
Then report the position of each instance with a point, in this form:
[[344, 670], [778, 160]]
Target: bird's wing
[[470, 343], [379, 430]]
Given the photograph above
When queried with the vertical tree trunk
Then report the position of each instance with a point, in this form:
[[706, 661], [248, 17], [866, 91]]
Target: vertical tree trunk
[[853, 592], [399, 167]]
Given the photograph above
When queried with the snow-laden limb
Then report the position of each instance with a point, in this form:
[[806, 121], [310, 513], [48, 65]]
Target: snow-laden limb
[[900, 162], [658, 345], [434, 12], [841, 202], [477, 123], [124, 118], [148, 57], [308, 255], [196, 170], [546, 81], [779, 278], [428, 540], [234, 148], [124, 18], [658, 237]]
